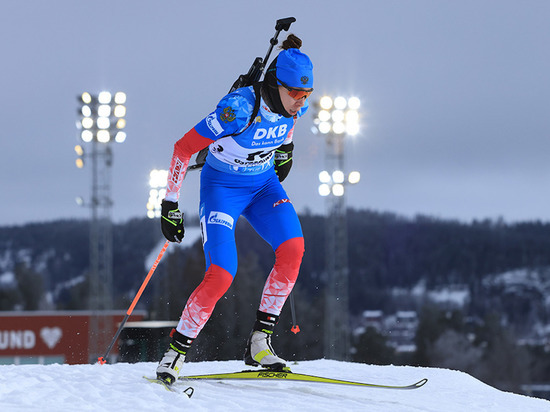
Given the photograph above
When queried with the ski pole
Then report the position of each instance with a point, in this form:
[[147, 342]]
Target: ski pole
[[295, 328], [102, 359]]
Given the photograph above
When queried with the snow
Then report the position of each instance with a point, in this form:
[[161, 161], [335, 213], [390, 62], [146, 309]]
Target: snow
[[120, 387]]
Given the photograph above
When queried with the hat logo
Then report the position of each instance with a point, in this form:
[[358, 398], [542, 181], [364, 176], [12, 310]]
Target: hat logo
[[304, 79]]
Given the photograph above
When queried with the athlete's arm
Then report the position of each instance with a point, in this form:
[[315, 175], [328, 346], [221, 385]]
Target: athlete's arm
[[184, 148], [230, 115]]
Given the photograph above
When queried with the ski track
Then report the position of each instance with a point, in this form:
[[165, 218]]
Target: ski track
[[121, 387]]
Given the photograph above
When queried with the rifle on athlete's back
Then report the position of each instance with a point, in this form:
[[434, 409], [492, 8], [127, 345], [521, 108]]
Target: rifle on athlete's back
[[253, 76]]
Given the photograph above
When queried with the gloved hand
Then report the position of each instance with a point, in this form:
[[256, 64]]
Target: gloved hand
[[171, 221], [283, 160]]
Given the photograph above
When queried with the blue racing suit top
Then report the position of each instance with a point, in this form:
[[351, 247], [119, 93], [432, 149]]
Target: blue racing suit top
[[243, 145]]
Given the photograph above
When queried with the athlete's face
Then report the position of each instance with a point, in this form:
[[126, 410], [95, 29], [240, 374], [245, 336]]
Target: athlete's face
[[291, 104]]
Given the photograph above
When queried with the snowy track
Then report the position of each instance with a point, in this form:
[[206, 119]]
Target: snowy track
[[121, 387]]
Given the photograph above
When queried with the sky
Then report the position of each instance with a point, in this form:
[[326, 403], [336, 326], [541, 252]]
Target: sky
[[455, 99], [120, 387]]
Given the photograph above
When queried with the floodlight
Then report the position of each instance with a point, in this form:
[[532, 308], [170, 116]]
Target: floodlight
[[338, 176], [120, 97], [338, 116], [338, 190], [157, 192], [324, 127], [87, 123], [333, 117], [86, 98], [352, 116], [103, 136], [103, 116], [103, 122], [354, 177], [324, 189], [340, 103], [87, 136], [158, 178], [324, 177], [104, 110], [325, 102], [339, 128], [324, 115], [120, 137], [120, 110], [104, 98], [354, 103]]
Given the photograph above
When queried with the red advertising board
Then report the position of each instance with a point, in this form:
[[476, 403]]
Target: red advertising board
[[57, 337]]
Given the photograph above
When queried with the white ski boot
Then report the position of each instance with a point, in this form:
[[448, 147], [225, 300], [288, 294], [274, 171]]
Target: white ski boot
[[259, 351], [172, 361]]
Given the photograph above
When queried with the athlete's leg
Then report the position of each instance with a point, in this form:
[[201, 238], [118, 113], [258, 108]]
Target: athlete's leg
[[222, 202], [275, 219]]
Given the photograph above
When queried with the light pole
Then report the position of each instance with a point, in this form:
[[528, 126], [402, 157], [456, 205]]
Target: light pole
[[336, 118], [101, 121]]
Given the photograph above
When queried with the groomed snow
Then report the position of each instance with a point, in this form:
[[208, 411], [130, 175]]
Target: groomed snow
[[120, 387]]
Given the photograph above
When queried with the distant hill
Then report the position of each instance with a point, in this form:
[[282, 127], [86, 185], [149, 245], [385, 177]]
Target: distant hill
[[387, 252]]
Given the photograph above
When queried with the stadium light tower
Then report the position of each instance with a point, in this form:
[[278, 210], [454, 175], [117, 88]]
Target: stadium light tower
[[334, 119], [157, 192], [101, 122]]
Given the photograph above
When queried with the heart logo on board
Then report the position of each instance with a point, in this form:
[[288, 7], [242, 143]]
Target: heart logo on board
[[51, 336]]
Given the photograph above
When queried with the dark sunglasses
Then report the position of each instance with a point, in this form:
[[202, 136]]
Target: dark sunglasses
[[296, 94]]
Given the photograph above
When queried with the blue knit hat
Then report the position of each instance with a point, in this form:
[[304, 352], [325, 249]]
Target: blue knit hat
[[295, 69]]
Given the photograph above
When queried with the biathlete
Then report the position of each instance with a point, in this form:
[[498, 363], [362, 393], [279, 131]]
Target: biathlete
[[249, 140]]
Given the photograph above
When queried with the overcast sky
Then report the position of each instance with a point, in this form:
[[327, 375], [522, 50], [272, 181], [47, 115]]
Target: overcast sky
[[455, 98]]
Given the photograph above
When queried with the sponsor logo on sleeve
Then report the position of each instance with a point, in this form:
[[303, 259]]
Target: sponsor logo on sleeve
[[220, 218], [213, 124]]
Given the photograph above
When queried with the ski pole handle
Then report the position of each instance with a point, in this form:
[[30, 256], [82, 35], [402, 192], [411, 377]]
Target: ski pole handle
[[103, 359]]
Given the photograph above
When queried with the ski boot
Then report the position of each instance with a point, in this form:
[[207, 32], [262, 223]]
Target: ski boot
[[172, 361], [259, 351]]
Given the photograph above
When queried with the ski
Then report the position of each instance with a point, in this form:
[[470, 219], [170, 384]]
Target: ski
[[189, 391], [267, 374]]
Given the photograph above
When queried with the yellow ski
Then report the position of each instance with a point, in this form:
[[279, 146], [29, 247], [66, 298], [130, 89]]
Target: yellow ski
[[265, 374]]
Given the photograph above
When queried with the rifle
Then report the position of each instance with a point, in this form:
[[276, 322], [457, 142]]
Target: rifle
[[253, 76]]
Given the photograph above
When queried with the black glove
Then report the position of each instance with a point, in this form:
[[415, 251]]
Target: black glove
[[171, 221], [283, 160]]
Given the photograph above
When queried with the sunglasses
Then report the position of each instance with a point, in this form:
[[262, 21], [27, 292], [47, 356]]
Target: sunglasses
[[296, 94]]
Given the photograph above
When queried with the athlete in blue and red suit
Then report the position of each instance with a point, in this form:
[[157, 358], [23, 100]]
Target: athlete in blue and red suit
[[247, 159]]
